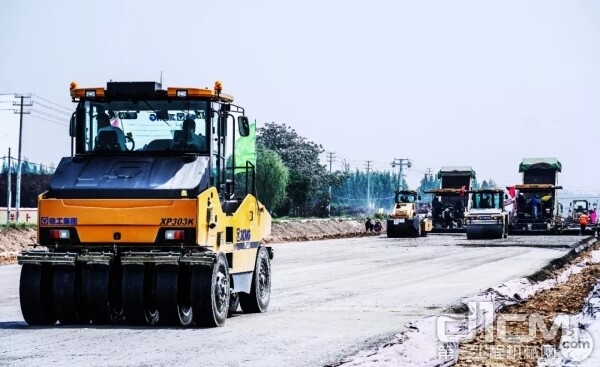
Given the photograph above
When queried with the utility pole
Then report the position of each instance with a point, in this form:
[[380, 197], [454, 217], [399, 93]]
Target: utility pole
[[401, 162], [330, 158], [368, 163], [429, 173], [8, 190], [20, 112]]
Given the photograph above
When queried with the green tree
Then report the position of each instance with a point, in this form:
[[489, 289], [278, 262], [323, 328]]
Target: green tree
[[272, 178], [350, 196], [308, 179], [428, 182]]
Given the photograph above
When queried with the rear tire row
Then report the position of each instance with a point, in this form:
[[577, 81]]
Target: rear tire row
[[139, 294]]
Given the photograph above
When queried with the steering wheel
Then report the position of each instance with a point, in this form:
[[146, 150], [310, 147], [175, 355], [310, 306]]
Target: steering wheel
[[129, 140]]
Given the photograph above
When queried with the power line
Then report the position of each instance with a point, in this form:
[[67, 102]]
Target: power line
[[51, 108], [48, 115], [45, 119], [44, 99]]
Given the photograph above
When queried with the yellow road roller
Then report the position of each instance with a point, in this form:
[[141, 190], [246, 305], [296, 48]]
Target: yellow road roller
[[153, 219]]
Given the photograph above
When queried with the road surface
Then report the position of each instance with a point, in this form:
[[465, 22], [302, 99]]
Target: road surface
[[330, 299]]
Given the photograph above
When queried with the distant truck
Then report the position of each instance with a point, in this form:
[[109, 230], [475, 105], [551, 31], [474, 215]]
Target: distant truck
[[536, 202], [450, 200], [486, 217], [405, 219]]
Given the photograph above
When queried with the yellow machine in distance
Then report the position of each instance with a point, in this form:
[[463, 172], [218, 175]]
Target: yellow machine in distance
[[152, 219], [405, 220]]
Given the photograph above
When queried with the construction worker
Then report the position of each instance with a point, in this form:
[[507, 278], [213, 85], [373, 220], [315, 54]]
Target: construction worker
[[369, 225], [535, 207], [583, 222]]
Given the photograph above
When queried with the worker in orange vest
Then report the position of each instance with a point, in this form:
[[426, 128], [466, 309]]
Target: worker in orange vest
[[583, 222]]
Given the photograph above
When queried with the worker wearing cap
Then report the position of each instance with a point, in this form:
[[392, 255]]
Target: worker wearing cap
[[583, 222], [546, 205]]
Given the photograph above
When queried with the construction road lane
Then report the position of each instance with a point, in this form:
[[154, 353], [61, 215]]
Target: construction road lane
[[330, 299]]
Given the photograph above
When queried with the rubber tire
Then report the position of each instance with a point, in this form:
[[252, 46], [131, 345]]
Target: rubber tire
[[35, 294], [260, 289], [137, 292], [173, 295], [67, 296], [102, 293], [210, 293]]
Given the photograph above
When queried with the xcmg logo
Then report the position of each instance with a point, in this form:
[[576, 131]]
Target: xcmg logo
[[243, 235]]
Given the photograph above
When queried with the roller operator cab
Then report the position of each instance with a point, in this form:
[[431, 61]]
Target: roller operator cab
[[405, 219], [153, 218], [486, 217]]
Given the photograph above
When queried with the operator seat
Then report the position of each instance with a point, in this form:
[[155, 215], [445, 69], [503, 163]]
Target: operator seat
[[107, 140], [194, 142]]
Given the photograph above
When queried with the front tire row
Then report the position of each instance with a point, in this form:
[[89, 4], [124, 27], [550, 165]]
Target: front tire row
[[140, 294]]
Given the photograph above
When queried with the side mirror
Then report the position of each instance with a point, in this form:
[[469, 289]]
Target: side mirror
[[244, 126], [419, 197], [72, 125], [77, 116]]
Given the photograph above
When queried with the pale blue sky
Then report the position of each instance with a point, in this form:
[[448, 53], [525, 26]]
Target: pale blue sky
[[477, 83]]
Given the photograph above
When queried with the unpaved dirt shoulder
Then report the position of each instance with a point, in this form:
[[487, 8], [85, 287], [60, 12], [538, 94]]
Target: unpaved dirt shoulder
[[13, 240], [315, 229], [565, 298]]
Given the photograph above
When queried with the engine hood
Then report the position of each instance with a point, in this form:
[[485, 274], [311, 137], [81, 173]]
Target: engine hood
[[130, 177]]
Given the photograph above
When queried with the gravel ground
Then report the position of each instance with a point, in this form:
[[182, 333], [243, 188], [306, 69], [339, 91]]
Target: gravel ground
[[566, 298], [330, 299]]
